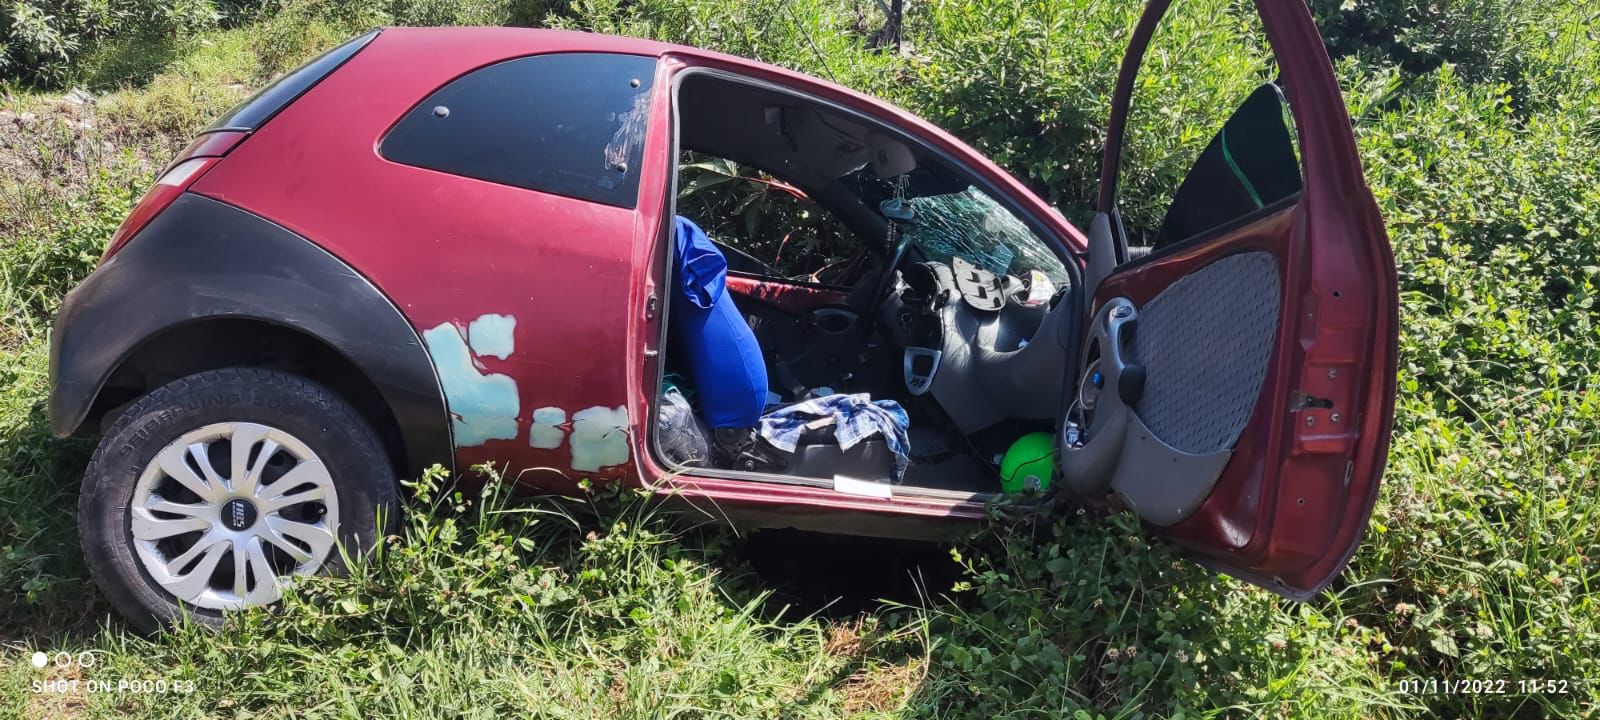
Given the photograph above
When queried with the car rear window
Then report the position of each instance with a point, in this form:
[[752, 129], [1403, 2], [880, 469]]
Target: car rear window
[[570, 124], [256, 111]]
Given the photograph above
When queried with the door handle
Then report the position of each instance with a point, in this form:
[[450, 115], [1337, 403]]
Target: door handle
[[1089, 460]]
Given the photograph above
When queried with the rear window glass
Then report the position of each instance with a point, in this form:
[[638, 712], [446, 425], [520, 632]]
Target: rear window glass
[[571, 124], [256, 111]]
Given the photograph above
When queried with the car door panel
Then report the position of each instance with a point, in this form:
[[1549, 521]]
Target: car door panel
[[1260, 398], [1201, 324], [1204, 341]]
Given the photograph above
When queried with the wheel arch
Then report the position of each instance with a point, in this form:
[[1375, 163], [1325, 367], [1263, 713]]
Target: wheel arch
[[207, 285], [243, 341]]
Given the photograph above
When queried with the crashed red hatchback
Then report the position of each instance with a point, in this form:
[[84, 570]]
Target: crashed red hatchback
[[461, 246]]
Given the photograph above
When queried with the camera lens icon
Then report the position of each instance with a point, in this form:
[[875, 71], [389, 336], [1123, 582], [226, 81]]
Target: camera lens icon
[[40, 659]]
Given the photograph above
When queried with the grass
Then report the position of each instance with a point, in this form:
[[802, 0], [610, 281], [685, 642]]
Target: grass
[[482, 608], [1483, 561]]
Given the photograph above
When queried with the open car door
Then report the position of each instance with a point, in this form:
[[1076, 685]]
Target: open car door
[[1236, 385]]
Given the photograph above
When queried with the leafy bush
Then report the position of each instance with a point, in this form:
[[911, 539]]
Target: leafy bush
[[41, 39], [1481, 38], [1029, 84], [51, 43], [770, 221], [1083, 615], [369, 13]]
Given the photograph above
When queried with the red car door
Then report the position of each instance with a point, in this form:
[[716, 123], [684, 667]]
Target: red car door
[[1236, 388]]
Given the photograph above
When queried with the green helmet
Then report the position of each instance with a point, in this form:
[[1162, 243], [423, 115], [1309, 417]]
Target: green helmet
[[1029, 463]]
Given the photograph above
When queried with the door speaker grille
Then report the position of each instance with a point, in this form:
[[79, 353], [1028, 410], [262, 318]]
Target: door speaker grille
[[1205, 342]]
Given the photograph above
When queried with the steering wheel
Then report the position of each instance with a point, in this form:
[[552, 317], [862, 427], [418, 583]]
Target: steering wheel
[[880, 289], [893, 209]]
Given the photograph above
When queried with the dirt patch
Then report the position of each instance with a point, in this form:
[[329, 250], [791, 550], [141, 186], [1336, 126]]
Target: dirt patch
[[51, 146], [845, 640], [64, 695], [51, 138], [882, 688]]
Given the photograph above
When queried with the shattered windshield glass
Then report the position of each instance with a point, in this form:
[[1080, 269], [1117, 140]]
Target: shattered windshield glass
[[971, 225]]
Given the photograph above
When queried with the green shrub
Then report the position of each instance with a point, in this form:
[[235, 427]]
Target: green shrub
[[1030, 83], [1083, 616], [40, 40], [1421, 36], [1496, 224], [360, 15], [52, 43]]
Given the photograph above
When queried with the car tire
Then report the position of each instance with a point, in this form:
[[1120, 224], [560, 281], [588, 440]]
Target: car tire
[[294, 431]]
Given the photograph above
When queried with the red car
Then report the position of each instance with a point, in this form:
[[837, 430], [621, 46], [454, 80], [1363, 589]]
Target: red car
[[461, 246]]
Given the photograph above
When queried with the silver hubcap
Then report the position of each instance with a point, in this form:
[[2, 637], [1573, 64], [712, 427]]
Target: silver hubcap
[[226, 514]]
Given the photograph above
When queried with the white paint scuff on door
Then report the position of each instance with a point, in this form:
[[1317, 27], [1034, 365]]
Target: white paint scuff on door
[[492, 335], [547, 432], [483, 405], [599, 437], [599, 434]]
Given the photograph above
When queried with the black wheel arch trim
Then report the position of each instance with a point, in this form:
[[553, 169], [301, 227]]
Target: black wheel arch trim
[[202, 259]]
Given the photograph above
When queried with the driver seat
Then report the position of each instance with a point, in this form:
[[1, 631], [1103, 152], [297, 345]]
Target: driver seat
[[729, 373]]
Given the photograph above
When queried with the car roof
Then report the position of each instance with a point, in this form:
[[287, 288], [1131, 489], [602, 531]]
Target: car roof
[[505, 43]]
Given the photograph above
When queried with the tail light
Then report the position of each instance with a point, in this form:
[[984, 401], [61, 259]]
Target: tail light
[[206, 151]]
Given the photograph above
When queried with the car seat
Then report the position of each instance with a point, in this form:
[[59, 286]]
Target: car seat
[[729, 374]]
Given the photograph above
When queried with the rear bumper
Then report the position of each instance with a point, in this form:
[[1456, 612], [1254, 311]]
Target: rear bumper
[[73, 384]]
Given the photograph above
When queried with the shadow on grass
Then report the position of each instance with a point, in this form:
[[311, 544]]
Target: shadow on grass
[[871, 596], [129, 62], [839, 577], [45, 590]]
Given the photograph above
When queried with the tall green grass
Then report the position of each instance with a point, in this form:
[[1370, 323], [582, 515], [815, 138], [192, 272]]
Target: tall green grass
[[479, 607]]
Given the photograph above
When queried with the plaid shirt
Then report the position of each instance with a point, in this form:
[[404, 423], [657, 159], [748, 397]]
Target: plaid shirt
[[854, 418]]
